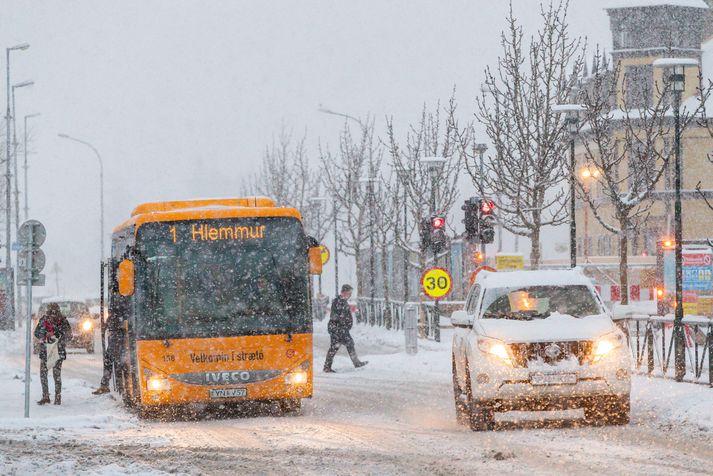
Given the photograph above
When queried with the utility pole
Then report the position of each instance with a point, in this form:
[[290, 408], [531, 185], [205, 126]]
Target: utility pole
[[9, 278], [677, 79]]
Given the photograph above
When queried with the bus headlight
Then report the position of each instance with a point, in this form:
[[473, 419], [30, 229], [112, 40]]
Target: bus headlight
[[296, 377], [87, 326], [158, 384]]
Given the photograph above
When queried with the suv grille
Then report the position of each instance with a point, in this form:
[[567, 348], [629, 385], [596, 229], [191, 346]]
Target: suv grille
[[550, 352]]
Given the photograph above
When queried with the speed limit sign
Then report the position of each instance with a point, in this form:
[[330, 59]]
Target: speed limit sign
[[436, 282]]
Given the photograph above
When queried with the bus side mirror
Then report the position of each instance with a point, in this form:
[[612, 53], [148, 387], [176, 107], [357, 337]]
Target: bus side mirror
[[126, 277], [315, 260]]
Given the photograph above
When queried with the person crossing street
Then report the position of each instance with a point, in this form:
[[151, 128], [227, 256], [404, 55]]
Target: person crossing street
[[340, 323]]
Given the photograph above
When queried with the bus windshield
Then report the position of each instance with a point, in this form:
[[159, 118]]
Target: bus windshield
[[222, 277]]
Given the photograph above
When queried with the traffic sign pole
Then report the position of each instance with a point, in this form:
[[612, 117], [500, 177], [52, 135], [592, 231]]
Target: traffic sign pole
[[436, 283], [28, 327]]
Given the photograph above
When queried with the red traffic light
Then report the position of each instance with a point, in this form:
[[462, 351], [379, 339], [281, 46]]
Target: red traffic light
[[487, 207], [438, 223]]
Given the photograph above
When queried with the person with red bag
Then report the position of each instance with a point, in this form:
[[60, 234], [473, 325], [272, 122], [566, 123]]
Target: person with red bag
[[53, 331]]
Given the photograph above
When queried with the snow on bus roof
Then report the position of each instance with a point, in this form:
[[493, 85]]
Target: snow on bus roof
[[552, 277]]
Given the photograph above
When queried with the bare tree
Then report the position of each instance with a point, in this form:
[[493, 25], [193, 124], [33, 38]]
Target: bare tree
[[526, 169], [287, 176], [437, 133], [628, 147], [357, 158]]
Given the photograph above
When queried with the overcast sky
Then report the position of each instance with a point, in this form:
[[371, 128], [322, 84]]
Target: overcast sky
[[181, 97]]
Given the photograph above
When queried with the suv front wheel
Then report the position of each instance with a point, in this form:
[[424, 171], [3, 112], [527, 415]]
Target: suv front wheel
[[481, 414], [460, 398]]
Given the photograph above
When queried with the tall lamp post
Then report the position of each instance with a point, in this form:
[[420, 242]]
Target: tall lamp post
[[9, 281], [587, 174], [24, 149], [369, 182], [317, 203], [676, 69], [18, 288], [326, 110], [403, 175], [101, 188], [435, 165], [572, 122]]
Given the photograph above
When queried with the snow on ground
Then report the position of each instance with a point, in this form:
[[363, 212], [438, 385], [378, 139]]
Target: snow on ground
[[394, 416]]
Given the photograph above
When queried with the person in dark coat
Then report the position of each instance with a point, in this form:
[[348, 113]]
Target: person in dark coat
[[112, 352], [52, 326], [340, 323]]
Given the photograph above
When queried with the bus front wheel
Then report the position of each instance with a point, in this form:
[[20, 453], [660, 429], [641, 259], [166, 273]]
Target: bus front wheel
[[290, 406]]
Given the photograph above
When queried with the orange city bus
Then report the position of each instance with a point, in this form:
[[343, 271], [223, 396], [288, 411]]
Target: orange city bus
[[212, 301]]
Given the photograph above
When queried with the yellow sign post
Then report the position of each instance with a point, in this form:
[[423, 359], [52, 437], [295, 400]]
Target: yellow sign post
[[436, 282], [324, 253]]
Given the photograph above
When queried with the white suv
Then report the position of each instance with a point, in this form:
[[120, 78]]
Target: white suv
[[538, 340]]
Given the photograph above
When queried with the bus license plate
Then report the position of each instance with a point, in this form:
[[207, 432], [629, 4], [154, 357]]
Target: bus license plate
[[553, 379], [229, 393]]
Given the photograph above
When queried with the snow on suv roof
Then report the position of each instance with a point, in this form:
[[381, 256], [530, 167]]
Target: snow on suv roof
[[58, 299], [555, 277]]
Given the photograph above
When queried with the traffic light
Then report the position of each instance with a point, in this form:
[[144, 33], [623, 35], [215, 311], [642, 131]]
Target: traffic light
[[424, 231], [486, 221], [438, 234], [471, 208]]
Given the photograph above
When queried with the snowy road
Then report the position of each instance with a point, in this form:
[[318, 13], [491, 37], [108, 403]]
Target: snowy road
[[394, 416]]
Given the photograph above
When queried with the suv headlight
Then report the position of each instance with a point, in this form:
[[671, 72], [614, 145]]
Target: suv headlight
[[496, 348], [87, 325], [604, 345]]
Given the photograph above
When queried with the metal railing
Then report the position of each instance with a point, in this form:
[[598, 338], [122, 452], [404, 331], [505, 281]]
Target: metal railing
[[391, 314], [651, 342]]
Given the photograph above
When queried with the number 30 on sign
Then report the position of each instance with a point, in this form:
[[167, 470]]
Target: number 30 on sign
[[436, 282]]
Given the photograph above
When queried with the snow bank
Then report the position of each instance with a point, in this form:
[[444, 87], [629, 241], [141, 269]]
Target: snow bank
[[654, 3]]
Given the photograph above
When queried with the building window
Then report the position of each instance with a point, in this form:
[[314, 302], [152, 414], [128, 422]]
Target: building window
[[641, 168], [638, 86], [624, 38]]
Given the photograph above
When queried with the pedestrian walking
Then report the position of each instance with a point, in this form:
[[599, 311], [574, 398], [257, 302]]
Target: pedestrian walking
[[340, 323], [53, 331]]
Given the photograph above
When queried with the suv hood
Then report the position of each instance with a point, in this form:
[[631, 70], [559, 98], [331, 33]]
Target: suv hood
[[555, 328]]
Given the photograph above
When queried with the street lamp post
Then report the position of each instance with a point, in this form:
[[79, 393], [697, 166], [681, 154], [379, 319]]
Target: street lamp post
[[326, 110], [9, 281], [24, 148], [587, 174], [101, 188], [572, 122], [677, 79], [403, 175], [435, 165], [369, 181], [18, 288]]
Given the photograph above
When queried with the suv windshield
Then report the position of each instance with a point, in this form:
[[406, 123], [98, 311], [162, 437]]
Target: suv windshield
[[538, 302], [223, 277]]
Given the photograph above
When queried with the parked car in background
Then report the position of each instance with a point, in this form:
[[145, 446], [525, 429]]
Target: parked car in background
[[538, 340], [77, 313]]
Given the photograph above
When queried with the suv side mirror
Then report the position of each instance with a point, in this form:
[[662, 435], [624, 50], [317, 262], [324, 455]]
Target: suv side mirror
[[126, 277], [461, 319]]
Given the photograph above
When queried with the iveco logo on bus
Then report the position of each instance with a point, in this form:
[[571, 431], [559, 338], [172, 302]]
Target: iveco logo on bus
[[227, 377]]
